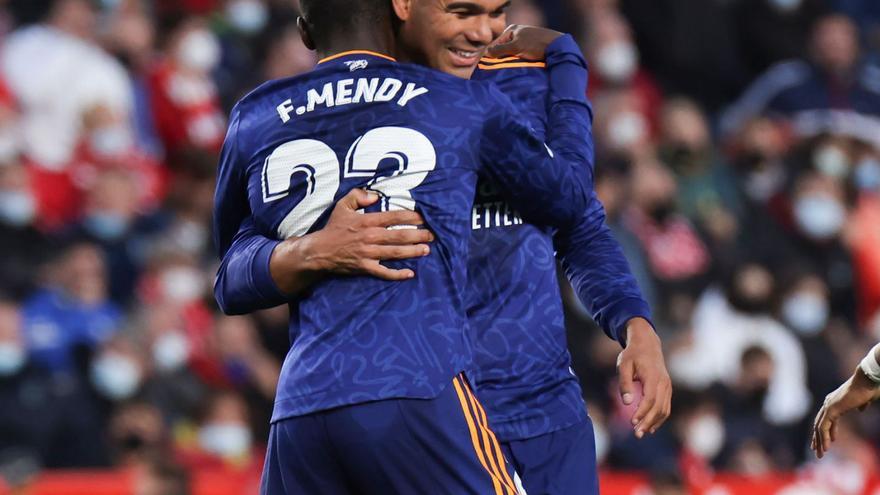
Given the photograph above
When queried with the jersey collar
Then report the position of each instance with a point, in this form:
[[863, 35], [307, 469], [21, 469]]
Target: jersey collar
[[352, 53]]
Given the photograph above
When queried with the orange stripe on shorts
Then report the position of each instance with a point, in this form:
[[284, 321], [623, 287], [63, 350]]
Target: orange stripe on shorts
[[496, 481]]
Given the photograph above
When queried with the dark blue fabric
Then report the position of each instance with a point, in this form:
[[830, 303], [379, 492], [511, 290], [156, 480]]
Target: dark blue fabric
[[358, 339], [400, 446], [558, 463]]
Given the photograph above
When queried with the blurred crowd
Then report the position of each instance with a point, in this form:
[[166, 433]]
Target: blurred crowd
[[738, 157]]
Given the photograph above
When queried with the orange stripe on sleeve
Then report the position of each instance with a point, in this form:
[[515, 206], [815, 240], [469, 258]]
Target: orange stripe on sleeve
[[496, 482], [484, 424], [490, 60]]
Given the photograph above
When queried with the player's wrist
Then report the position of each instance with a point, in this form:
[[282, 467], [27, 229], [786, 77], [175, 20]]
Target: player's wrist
[[639, 330], [870, 367], [293, 266]]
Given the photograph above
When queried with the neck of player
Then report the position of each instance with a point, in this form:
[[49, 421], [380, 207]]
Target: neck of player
[[373, 40]]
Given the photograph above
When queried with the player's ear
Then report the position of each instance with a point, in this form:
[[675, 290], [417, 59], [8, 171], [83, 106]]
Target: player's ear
[[402, 8], [304, 32]]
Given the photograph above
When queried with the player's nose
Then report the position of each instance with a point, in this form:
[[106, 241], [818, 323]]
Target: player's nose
[[480, 33]]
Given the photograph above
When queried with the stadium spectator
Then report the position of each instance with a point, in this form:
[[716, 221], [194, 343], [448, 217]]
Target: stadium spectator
[[46, 419], [223, 440], [74, 75], [183, 96], [689, 46], [677, 257], [707, 192], [24, 248], [729, 320], [72, 312], [615, 64], [834, 89], [137, 433], [771, 31]]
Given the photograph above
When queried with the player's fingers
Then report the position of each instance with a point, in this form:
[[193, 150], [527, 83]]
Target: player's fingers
[[501, 50], [391, 218], [357, 199], [402, 237], [626, 370], [832, 432], [647, 407], [664, 407], [817, 435], [401, 252], [377, 270], [506, 37], [825, 434]]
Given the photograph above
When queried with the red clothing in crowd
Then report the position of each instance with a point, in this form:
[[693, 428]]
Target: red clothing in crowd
[[186, 110]]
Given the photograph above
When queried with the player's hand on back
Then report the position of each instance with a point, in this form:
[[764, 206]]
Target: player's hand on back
[[352, 243], [855, 393], [526, 42], [642, 361]]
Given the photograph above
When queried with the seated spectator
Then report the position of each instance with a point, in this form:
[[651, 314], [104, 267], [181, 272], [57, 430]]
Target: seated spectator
[[72, 311], [183, 96], [835, 84], [72, 76], [137, 434], [730, 319], [677, 257], [223, 440], [774, 30], [614, 59], [706, 189], [24, 248], [819, 211], [46, 419]]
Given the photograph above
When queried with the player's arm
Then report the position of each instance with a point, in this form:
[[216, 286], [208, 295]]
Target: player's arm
[[243, 283], [862, 388], [600, 275], [258, 272], [548, 182]]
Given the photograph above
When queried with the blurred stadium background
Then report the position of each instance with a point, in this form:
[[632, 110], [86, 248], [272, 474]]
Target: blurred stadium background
[[738, 155]]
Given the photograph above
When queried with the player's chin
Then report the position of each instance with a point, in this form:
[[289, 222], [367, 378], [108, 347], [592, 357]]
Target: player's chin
[[459, 66]]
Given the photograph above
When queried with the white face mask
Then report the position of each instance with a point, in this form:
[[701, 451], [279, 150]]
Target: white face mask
[[617, 61], [12, 358], [806, 312], [867, 175], [110, 141], [225, 439], [199, 51], [171, 351], [247, 16], [17, 208], [819, 217], [116, 377], [627, 129], [181, 284], [705, 436], [831, 161]]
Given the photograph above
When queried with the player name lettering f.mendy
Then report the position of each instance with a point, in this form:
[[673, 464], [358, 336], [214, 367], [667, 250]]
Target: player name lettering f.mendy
[[349, 91]]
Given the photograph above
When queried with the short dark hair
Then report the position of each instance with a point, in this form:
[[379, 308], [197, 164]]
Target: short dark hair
[[330, 18]]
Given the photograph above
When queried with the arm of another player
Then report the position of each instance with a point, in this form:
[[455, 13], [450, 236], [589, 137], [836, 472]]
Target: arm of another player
[[548, 184], [862, 388], [258, 272]]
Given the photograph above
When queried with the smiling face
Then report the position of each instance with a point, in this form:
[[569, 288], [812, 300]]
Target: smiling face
[[449, 35]]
